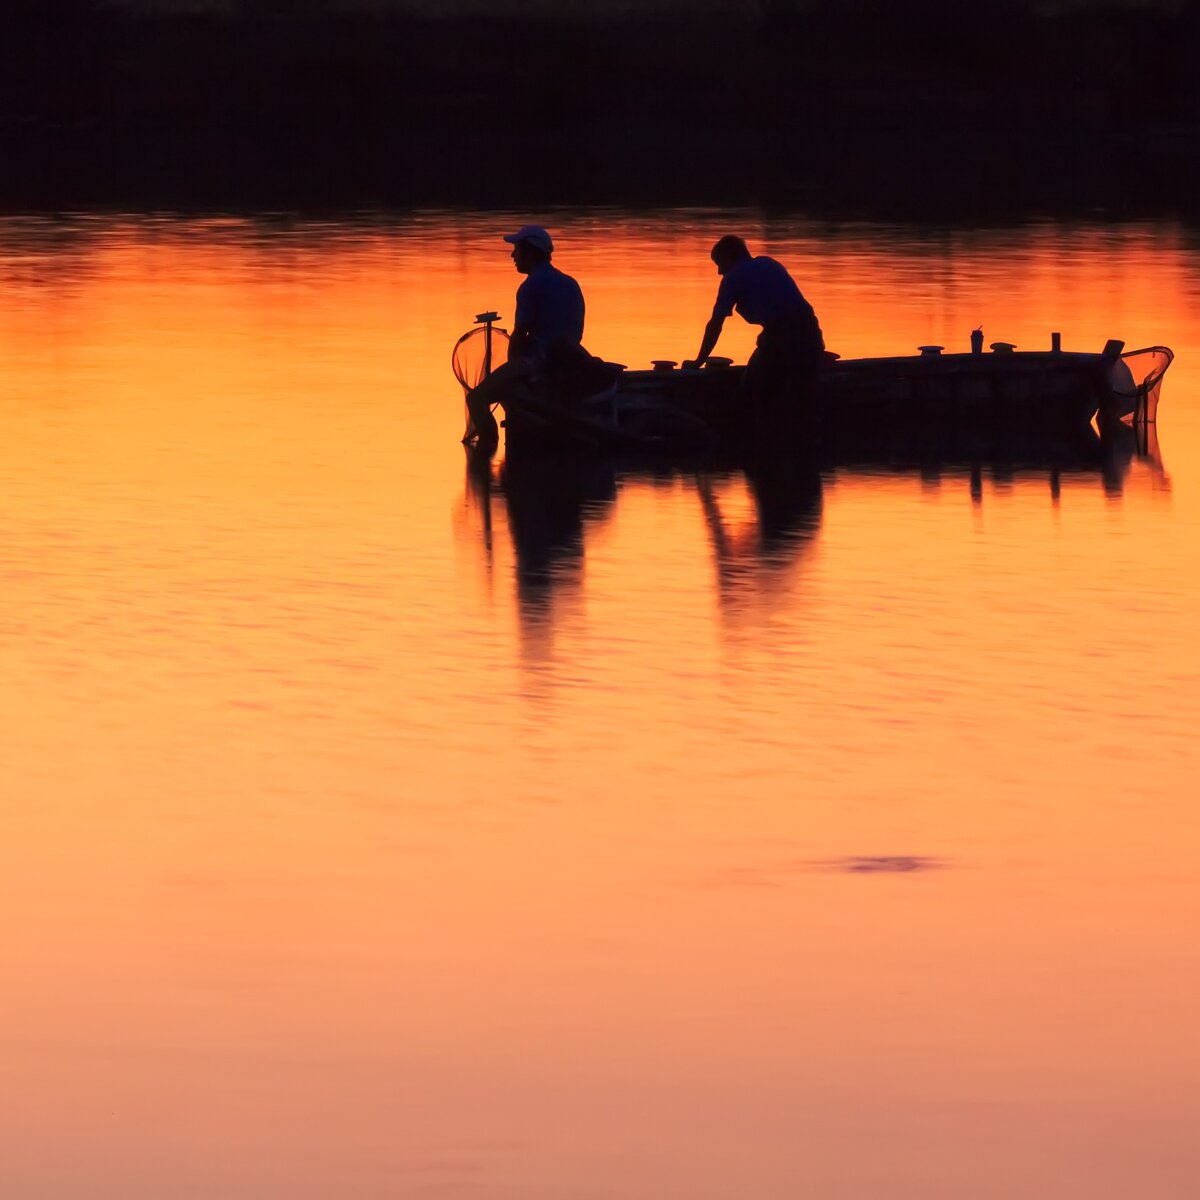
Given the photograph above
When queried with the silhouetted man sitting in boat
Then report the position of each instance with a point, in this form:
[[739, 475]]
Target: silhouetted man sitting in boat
[[781, 377], [545, 353]]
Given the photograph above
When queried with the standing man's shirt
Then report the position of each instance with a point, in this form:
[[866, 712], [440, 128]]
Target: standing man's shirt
[[550, 306], [762, 292]]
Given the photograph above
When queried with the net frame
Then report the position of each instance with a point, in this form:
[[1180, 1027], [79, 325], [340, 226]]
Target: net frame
[[494, 350], [471, 375], [1146, 368]]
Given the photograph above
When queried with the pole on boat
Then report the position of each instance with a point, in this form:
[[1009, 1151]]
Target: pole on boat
[[487, 320]]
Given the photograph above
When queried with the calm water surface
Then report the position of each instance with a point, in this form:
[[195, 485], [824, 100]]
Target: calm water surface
[[370, 830]]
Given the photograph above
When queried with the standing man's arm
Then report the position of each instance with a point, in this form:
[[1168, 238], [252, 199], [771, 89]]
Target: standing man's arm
[[712, 331]]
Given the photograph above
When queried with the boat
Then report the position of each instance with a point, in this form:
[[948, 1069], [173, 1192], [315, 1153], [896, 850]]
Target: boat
[[672, 407]]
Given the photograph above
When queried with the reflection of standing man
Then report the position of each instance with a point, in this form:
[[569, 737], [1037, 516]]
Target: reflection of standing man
[[547, 332], [781, 376]]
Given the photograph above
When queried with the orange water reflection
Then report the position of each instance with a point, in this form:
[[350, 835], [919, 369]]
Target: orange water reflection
[[372, 832]]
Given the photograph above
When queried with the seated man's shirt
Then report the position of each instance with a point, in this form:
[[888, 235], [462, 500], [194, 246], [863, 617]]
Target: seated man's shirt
[[550, 306]]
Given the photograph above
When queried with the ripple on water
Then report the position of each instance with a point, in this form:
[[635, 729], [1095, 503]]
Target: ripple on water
[[879, 864]]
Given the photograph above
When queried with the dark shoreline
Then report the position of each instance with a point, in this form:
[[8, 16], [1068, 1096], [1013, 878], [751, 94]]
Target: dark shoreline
[[859, 114]]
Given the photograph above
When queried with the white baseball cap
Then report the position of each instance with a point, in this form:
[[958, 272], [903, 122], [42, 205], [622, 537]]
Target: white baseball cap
[[535, 235]]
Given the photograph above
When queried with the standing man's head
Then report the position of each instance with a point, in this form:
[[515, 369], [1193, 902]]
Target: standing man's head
[[728, 252], [531, 246]]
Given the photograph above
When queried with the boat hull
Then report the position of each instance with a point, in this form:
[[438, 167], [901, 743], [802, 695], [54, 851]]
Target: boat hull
[[677, 409]]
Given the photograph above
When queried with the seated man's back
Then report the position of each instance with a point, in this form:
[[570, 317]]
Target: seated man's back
[[550, 306]]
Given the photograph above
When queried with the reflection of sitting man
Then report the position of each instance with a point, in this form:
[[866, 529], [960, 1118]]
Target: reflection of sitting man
[[544, 350], [781, 376]]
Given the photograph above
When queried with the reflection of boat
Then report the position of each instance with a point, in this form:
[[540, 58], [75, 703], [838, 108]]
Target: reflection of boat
[[674, 408], [1004, 455], [550, 504], [933, 454]]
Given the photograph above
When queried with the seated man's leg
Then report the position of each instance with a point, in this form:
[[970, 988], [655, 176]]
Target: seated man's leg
[[482, 399]]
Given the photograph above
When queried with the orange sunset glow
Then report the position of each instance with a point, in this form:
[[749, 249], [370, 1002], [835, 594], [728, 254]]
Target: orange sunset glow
[[378, 828]]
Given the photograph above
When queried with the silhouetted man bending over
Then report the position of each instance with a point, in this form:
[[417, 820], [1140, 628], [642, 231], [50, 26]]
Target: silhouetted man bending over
[[545, 345], [781, 377]]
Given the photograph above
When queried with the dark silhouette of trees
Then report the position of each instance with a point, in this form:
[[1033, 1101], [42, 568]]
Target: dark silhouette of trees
[[272, 99]]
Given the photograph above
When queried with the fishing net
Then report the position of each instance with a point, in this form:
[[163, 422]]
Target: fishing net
[[1137, 380], [477, 353]]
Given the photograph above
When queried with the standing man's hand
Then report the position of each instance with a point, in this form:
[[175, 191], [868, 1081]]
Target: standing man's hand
[[712, 331]]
